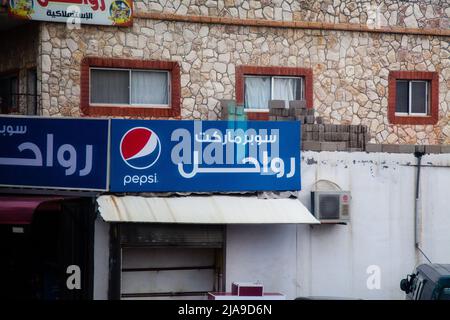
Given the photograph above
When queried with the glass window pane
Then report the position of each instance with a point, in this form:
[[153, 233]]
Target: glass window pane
[[402, 97], [301, 96], [286, 89], [418, 97], [257, 92], [110, 86], [445, 294], [149, 87]]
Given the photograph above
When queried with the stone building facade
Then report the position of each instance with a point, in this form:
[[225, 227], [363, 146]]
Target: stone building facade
[[350, 54]]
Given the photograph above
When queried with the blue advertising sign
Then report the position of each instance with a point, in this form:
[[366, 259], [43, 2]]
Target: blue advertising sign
[[54, 153], [168, 155]]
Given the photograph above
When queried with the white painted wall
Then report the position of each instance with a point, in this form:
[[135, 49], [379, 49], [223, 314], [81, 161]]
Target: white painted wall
[[265, 253], [331, 260]]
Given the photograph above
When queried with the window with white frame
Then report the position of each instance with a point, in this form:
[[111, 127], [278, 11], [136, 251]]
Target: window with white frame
[[258, 90], [110, 86], [412, 97]]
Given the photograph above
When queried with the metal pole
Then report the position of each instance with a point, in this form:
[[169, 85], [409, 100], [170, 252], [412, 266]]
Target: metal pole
[[418, 155]]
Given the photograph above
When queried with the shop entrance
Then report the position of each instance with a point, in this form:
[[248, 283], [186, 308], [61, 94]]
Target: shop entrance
[[170, 261], [35, 256]]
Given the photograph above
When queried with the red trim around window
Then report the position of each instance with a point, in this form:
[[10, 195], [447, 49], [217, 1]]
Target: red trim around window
[[307, 73], [173, 67], [433, 116]]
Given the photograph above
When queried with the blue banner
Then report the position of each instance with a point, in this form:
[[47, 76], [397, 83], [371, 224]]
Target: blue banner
[[168, 155], [54, 153]]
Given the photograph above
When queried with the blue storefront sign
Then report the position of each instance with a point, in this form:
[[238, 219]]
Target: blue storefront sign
[[167, 155], [54, 153]]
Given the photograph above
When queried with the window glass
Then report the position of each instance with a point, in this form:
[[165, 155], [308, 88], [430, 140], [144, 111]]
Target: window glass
[[402, 96], [445, 294], [257, 92], [427, 290], [149, 87], [412, 97], [8, 93], [110, 86], [286, 89], [418, 97]]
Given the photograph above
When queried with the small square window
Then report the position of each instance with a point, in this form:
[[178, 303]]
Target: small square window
[[413, 97]]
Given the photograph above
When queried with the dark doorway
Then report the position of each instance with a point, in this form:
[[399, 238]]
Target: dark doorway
[[35, 257]]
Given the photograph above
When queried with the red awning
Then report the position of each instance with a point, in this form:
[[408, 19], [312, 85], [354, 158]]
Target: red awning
[[20, 209]]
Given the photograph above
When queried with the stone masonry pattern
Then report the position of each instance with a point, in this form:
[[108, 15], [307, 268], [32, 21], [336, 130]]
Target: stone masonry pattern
[[350, 69], [412, 14]]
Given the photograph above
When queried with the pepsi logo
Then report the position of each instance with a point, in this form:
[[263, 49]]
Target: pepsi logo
[[140, 148]]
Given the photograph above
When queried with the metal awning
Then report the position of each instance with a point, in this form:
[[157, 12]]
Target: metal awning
[[204, 210], [20, 209]]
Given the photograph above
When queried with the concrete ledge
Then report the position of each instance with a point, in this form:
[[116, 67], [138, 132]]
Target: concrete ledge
[[407, 148], [373, 147], [351, 27]]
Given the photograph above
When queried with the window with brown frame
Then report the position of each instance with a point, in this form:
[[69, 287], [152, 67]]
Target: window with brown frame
[[258, 90], [413, 97], [256, 85], [125, 87]]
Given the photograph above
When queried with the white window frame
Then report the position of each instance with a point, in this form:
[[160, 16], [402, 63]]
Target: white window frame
[[135, 105], [426, 98], [415, 114], [302, 92]]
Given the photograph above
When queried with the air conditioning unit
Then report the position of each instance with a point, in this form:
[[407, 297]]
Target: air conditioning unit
[[331, 206]]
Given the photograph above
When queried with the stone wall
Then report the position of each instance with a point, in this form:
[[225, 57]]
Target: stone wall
[[19, 54], [413, 14], [350, 69]]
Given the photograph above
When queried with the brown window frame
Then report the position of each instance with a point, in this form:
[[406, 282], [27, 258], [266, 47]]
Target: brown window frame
[[433, 105], [172, 111]]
